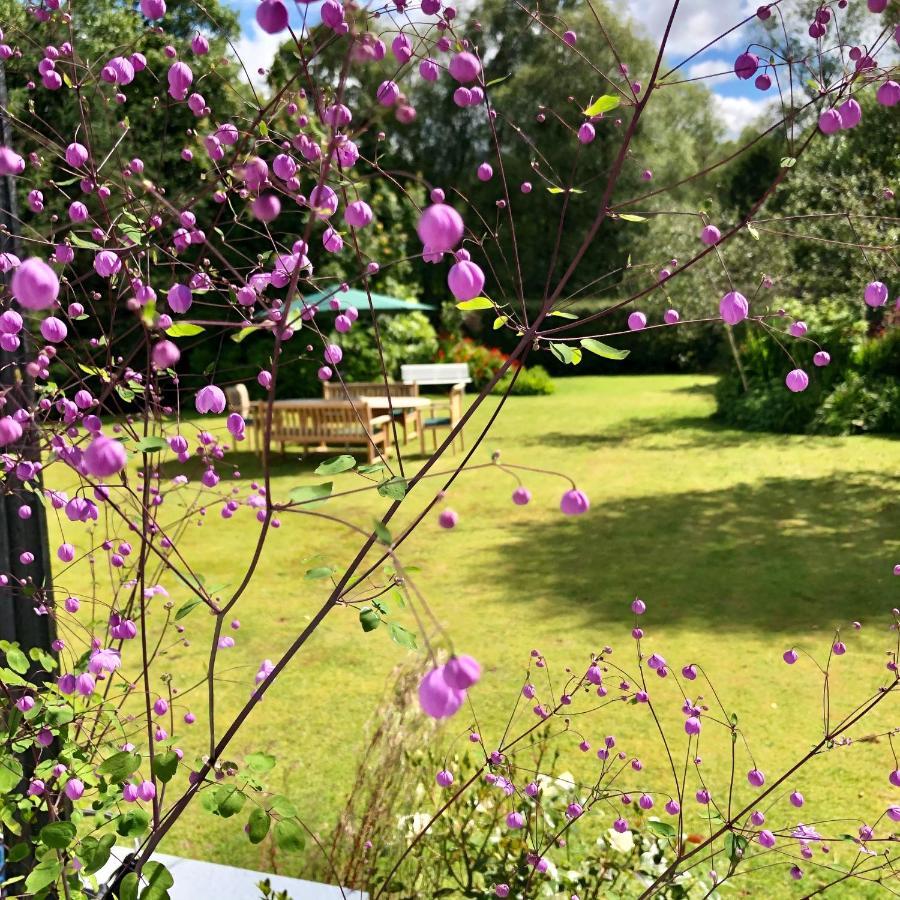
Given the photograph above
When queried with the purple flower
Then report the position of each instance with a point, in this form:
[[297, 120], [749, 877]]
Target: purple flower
[[74, 788], [692, 725], [448, 518], [104, 457], [830, 121], [521, 496], [437, 698], [440, 228], [574, 503], [465, 280], [180, 78], [210, 399], [797, 380], [358, 214], [515, 820], [444, 778], [876, 294], [464, 67], [637, 321], [767, 839], [462, 672], [35, 285], [104, 660], [745, 66], [733, 307]]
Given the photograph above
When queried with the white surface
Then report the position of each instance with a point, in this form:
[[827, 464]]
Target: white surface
[[436, 373], [196, 880]]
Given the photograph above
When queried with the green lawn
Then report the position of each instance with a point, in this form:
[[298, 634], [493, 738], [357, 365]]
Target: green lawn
[[740, 544]]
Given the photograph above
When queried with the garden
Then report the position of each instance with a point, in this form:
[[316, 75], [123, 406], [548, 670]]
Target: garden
[[446, 453]]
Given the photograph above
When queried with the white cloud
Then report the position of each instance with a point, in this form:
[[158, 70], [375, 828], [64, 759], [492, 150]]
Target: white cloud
[[709, 67], [696, 23], [256, 49], [736, 112]]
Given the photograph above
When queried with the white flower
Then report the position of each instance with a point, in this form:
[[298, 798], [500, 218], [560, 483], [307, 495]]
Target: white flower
[[623, 842]]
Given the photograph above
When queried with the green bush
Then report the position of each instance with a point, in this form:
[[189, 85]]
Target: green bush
[[530, 382], [405, 338], [860, 405], [858, 392]]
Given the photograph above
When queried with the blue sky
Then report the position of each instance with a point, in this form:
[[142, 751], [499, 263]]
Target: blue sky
[[698, 21]]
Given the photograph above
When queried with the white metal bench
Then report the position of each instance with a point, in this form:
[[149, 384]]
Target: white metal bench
[[436, 373]]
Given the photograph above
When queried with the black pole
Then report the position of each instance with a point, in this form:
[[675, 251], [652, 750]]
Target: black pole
[[29, 590]]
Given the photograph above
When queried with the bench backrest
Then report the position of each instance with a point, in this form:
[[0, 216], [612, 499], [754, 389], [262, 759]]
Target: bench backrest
[[436, 373], [338, 391], [337, 419]]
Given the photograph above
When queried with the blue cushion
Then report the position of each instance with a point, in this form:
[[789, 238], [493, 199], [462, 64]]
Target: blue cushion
[[431, 423]]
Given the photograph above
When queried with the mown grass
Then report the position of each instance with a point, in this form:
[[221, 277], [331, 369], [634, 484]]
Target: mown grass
[[741, 544]]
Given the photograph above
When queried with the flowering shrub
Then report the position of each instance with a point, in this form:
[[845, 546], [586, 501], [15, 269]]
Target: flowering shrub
[[133, 253], [484, 362]]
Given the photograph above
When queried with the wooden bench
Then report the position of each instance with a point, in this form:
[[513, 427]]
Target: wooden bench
[[336, 391], [324, 425], [435, 373]]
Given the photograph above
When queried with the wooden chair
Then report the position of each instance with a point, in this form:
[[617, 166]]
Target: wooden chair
[[444, 415], [406, 417], [324, 425]]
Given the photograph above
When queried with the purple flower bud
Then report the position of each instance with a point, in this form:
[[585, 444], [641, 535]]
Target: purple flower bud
[[444, 778], [797, 380], [830, 121], [734, 308], [104, 457], [465, 280], [437, 698], [210, 399], [756, 778], [464, 67], [34, 284], [574, 503], [637, 321], [876, 294], [74, 788], [745, 66], [461, 672], [440, 227], [692, 725], [515, 821]]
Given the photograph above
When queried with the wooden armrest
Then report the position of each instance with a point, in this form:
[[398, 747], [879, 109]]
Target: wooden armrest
[[380, 420]]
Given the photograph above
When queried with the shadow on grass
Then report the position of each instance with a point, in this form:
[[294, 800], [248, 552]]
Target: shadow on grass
[[785, 555], [674, 433]]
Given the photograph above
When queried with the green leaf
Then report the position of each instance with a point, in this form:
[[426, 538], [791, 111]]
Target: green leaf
[[564, 353], [184, 329], [395, 488], [499, 80], [95, 853], [260, 762], [238, 336], [128, 890], [631, 217], [602, 349], [500, 321], [186, 608], [165, 765], [311, 495], [289, 835], [604, 104], [258, 825], [263, 128], [320, 572], [81, 243], [559, 190], [369, 619], [787, 162], [18, 853], [282, 806], [370, 469], [17, 660], [159, 879], [336, 465], [229, 801], [57, 835], [475, 303], [382, 533], [753, 232], [150, 444], [563, 315], [120, 765], [133, 823], [60, 715], [402, 636], [44, 874], [663, 829], [10, 773]]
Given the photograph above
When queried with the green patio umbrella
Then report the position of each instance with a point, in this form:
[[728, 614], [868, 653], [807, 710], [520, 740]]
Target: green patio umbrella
[[359, 299]]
